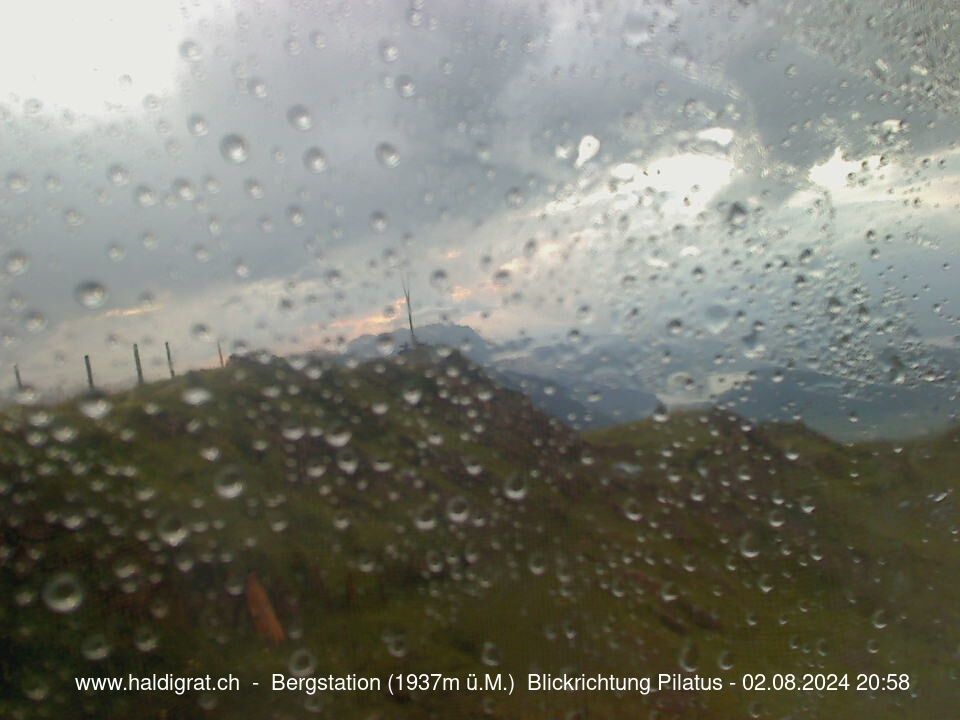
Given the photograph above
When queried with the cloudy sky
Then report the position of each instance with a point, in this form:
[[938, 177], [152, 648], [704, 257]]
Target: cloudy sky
[[265, 173]]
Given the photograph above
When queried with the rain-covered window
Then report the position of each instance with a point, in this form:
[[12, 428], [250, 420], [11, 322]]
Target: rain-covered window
[[561, 360]]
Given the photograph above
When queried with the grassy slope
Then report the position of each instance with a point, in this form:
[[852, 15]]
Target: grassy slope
[[641, 549]]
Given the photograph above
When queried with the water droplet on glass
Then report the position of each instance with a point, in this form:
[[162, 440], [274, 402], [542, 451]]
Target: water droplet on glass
[[234, 149], [190, 51], [689, 658], [716, 319], [737, 215], [348, 461], [439, 280], [229, 483], [339, 437], [490, 655], [515, 198], [95, 647], [299, 117], [16, 262], [184, 189], [201, 331], [660, 413], [537, 564], [588, 149], [425, 519], [387, 155], [118, 175], [196, 396], [17, 183], [378, 222], [95, 407], [389, 52], [748, 547], [172, 530], [63, 593], [458, 509], [35, 321], [73, 217], [385, 344], [91, 294], [515, 487], [145, 639], [405, 86], [637, 31], [254, 188], [879, 619], [302, 663], [315, 160], [257, 87], [632, 510], [145, 196], [197, 125]]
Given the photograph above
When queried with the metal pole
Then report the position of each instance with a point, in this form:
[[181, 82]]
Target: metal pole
[[406, 296], [136, 360], [220, 353], [16, 372], [86, 361], [169, 360]]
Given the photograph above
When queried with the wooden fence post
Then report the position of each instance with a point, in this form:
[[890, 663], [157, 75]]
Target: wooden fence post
[[86, 361], [136, 360]]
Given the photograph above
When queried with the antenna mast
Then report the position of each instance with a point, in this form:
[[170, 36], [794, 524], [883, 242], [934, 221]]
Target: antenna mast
[[406, 297]]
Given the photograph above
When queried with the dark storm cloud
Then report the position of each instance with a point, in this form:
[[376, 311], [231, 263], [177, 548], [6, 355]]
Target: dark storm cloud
[[485, 105]]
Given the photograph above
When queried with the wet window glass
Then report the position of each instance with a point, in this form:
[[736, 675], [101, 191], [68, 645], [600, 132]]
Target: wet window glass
[[557, 360]]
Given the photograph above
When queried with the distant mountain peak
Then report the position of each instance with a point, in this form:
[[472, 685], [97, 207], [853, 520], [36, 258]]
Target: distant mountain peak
[[460, 337]]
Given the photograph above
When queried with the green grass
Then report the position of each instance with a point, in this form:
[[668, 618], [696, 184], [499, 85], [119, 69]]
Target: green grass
[[699, 541]]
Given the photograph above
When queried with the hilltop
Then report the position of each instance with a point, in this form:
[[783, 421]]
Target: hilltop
[[411, 514]]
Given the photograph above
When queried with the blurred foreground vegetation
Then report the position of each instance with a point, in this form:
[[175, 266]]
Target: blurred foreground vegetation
[[409, 515]]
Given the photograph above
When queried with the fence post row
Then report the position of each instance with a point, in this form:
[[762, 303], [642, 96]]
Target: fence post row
[[136, 360]]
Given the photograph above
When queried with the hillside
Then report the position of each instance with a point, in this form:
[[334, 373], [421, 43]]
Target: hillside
[[411, 515], [557, 397], [846, 411]]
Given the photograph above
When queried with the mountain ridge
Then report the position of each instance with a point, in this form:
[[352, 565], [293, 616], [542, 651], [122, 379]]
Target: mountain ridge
[[602, 384]]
